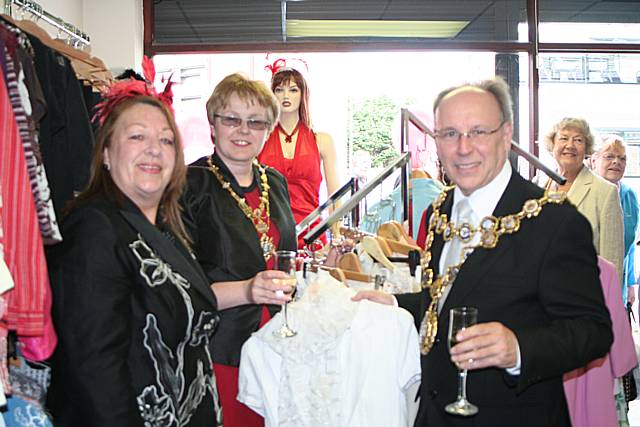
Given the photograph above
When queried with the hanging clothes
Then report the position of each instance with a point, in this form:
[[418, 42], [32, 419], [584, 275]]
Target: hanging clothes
[[23, 112], [66, 138], [29, 302]]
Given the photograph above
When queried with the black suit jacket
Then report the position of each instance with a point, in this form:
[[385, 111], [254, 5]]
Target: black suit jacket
[[227, 246], [135, 318], [542, 283]]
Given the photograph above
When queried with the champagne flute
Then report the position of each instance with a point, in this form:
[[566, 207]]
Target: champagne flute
[[459, 319], [286, 261]]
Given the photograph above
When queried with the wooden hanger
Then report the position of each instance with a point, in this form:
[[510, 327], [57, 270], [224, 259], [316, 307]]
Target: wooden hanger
[[405, 237], [349, 261], [419, 173], [87, 68], [348, 274], [371, 246], [402, 248], [384, 246], [395, 239], [389, 231], [338, 274]]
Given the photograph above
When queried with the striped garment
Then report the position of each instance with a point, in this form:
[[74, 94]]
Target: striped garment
[[29, 302], [35, 168]]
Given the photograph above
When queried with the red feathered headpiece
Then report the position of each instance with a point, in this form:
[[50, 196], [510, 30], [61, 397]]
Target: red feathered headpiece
[[118, 92], [280, 64]]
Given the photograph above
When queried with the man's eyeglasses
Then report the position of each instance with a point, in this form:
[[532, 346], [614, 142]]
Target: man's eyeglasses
[[612, 157], [234, 122], [479, 134]]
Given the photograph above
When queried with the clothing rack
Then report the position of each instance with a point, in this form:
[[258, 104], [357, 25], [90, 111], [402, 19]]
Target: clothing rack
[[350, 186], [36, 10], [353, 202], [408, 117]]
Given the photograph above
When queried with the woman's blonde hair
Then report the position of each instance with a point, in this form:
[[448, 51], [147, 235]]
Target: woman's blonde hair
[[578, 124], [606, 142], [250, 91]]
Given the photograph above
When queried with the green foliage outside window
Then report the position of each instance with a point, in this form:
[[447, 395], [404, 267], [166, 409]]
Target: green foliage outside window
[[371, 127]]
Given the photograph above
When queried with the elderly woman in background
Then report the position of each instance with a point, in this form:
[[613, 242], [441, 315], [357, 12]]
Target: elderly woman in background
[[610, 161], [133, 311], [237, 212], [570, 141]]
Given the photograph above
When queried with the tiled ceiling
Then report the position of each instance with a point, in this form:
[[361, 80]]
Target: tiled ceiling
[[219, 22]]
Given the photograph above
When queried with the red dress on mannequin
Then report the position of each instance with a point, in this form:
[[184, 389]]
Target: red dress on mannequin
[[302, 171]]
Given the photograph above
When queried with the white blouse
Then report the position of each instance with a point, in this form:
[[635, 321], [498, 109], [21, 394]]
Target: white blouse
[[351, 363]]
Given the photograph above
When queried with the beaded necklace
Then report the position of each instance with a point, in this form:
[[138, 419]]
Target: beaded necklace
[[261, 216], [490, 230]]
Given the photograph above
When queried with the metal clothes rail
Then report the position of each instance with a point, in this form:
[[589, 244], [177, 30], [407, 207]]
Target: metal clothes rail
[[354, 201], [36, 10], [350, 186]]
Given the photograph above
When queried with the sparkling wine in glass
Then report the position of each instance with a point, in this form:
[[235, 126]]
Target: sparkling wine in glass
[[286, 261], [460, 318]]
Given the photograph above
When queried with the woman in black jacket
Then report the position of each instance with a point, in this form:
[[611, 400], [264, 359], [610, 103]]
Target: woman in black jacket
[[237, 212]]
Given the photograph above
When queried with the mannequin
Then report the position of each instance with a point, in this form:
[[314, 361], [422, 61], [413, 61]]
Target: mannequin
[[297, 151]]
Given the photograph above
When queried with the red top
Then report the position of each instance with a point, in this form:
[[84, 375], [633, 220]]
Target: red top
[[253, 200], [422, 231], [302, 172]]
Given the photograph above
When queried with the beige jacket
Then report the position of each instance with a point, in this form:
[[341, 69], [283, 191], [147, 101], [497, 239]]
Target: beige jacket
[[598, 200]]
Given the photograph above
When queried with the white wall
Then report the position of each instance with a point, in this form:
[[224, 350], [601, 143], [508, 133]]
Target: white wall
[[116, 30], [114, 26], [69, 10]]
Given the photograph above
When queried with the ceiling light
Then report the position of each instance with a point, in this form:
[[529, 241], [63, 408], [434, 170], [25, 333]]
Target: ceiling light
[[379, 28]]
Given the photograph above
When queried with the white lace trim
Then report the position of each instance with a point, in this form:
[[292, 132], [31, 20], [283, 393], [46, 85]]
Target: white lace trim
[[309, 389]]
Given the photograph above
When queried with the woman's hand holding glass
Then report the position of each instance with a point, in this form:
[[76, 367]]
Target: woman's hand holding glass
[[271, 287]]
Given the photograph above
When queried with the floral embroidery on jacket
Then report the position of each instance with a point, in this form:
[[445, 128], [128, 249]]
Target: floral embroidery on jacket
[[170, 402]]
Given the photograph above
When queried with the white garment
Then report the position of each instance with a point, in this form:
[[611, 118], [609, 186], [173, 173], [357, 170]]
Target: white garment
[[350, 365], [398, 281]]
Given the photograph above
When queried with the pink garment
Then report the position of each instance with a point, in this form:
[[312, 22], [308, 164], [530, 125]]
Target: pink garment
[[29, 302], [589, 390]]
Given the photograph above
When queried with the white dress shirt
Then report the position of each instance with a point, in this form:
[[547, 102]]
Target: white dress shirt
[[483, 202]]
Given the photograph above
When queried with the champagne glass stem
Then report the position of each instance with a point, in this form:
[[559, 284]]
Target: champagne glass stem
[[286, 319], [462, 384]]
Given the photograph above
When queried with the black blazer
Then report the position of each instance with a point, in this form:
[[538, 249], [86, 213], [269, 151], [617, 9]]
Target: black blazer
[[542, 283], [135, 318], [227, 245]]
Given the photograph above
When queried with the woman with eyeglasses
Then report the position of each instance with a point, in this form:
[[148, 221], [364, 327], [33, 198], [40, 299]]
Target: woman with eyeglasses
[[295, 149], [569, 142], [237, 213], [610, 161]]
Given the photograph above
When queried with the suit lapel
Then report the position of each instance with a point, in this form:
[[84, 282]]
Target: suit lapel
[[481, 260], [581, 187], [166, 250]]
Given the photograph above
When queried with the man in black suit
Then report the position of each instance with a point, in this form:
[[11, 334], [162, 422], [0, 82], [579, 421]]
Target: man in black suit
[[532, 274]]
